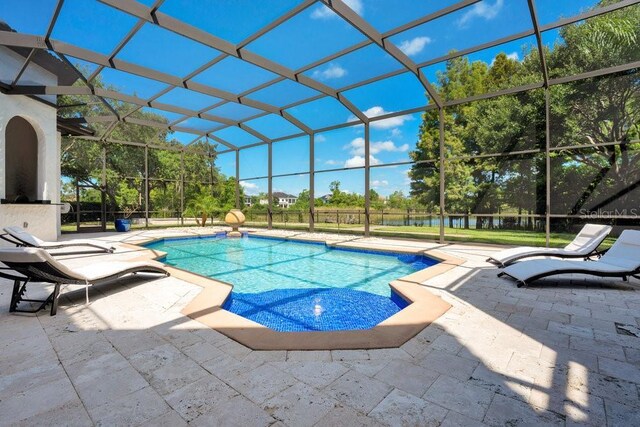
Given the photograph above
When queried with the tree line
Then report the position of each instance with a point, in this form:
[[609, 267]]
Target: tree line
[[601, 115]]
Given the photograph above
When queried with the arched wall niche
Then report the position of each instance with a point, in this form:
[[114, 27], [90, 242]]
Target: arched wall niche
[[21, 160]]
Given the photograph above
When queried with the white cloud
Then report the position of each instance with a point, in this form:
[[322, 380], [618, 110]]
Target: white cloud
[[377, 147], [390, 123], [320, 138], [331, 162], [396, 133], [513, 56], [332, 71], [374, 111], [376, 183], [358, 161], [323, 12], [483, 10], [357, 147], [414, 46], [249, 187]]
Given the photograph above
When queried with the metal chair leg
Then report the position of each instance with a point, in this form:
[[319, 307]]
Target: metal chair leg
[[15, 295], [54, 302]]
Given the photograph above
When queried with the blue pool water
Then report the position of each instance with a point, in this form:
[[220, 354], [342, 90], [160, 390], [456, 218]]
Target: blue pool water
[[298, 286]]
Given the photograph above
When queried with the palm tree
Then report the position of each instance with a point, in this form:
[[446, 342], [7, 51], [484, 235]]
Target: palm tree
[[201, 207]]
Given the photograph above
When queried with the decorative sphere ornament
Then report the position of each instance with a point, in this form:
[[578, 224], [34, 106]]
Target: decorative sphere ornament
[[234, 219]]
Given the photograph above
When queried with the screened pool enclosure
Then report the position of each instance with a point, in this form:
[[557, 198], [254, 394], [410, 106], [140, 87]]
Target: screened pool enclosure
[[436, 119]]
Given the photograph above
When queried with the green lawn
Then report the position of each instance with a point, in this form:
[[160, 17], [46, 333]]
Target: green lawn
[[501, 237]]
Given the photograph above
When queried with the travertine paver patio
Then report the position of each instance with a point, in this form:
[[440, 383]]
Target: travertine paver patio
[[548, 354]]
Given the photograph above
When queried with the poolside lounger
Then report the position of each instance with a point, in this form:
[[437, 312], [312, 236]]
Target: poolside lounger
[[37, 265], [20, 237], [621, 260], [584, 245]]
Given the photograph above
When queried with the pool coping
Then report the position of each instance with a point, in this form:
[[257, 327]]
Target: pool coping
[[424, 307]]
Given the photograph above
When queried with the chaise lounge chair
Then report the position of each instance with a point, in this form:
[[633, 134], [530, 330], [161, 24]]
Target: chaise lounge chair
[[20, 237], [621, 260], [37, 265], [583, 246]]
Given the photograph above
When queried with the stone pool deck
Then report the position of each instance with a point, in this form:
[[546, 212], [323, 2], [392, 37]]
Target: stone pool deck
[[554, 353]]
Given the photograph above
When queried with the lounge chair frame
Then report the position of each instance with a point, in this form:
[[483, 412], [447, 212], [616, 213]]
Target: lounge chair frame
[[595, 253], [15, 240], [45, 272], [624, 276], [602, 233]]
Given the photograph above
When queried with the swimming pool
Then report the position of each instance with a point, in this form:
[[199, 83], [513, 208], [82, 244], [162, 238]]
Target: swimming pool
[[298, 286]]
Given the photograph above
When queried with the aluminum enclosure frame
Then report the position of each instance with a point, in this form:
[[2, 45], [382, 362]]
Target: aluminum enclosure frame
[[152, 15]]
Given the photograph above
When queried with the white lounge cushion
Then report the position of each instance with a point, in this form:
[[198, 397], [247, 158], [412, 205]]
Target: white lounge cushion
[[511, 253], [105, 269], [589, 238], [625, 252], [87, 273], [622, 258], [584, 243], [24, 236]]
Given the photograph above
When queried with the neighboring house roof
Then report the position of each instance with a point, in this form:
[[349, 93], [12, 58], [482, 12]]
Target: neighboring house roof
[[281, 195], [66, 75]]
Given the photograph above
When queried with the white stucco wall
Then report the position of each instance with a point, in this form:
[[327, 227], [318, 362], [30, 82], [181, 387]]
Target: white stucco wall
[[39, 220], [43, 221]]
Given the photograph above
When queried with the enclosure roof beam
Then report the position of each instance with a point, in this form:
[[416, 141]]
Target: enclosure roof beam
[[536, 29], [452, 55], [125, 40], [61, 48], [344, 11], [89, 85], [54, 19], [588, 14], [57, 90], [364, 43], [137, 144], [595, 73], [219, 140], [148, 14], [288, 15], [24, 66], [176, 26], [106, 93]]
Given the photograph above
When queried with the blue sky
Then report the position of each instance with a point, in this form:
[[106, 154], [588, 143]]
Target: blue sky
[[311, 35]]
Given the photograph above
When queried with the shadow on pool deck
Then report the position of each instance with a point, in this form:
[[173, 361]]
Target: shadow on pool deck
[[502, 356]]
